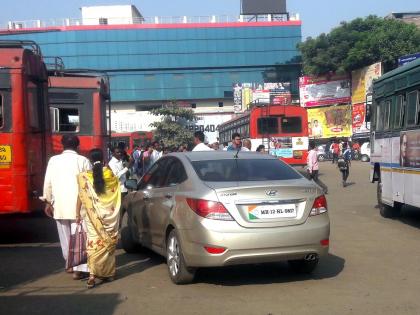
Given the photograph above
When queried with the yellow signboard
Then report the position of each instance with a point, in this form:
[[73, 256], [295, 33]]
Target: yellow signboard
[[329, 122], [5, 156]]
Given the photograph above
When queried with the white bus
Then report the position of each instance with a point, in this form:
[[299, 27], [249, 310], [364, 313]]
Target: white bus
[[395, 139]]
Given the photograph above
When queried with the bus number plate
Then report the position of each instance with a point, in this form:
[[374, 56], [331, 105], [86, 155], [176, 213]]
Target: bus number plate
[[5, 156]]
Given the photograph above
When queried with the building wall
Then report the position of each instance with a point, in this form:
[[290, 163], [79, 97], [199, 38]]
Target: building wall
[[115, 14], [153, 63]]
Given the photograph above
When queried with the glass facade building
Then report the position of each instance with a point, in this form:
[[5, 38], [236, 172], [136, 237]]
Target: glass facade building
[[164, 62]]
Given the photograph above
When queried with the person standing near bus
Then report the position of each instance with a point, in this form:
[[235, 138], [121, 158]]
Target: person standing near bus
[[157, 152], [236, 143], [61, 193], [313, 166], [335, 151], [344, 162], [199, 142], [120, 168], [246, 144]]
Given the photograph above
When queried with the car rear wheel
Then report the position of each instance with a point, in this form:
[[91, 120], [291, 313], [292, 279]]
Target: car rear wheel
[[127, 241], [303, 266], [385, 210], [179, 272], [364, 158]]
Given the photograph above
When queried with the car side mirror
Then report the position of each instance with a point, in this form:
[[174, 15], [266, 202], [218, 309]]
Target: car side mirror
[[131, 184]]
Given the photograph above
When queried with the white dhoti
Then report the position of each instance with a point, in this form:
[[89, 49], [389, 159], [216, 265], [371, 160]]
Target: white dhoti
[[65, 228]]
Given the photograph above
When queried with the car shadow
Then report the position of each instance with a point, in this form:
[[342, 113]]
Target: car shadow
[[329, 267], [62, 304], [128, 264]]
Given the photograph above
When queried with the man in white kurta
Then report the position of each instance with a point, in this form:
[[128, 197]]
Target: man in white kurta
[[61, 192]]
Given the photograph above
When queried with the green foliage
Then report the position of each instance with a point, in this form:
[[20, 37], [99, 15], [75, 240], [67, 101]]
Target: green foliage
[[171, 129], [359, 43]]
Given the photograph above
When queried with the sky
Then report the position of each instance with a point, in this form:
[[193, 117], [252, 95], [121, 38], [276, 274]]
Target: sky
[[317, 16]]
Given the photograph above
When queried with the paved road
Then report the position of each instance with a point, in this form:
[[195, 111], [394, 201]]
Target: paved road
[[373, 268]]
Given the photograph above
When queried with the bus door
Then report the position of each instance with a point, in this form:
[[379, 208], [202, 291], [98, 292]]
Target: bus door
[[35, 140]]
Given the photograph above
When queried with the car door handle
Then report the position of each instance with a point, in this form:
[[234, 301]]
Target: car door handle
[[168, 196]]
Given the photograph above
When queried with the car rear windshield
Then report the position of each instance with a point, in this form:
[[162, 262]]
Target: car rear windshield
[[244, 170]]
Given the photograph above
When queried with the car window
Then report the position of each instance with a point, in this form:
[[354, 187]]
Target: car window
[[244, 170], [156, 176], [176, 174]]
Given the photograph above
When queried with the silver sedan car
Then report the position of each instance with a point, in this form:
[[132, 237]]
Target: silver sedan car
[[206, 209]]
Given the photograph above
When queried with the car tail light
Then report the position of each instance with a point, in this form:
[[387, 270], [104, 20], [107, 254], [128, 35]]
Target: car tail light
[[319, 206], [209, 209], [325, 242], [215, 250]]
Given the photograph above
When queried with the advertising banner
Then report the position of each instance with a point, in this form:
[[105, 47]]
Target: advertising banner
[[359, 119], [410, 149], [321, 91], [362, 81], [237, 98], [329, 122], [244, 94]]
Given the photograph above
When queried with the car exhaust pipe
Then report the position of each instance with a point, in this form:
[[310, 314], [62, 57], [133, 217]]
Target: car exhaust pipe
[[311, 257]]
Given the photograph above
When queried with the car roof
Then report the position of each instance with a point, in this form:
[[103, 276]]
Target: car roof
[[222, 155]]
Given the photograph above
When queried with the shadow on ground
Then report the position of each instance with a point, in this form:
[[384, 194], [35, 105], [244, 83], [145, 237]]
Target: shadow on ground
[[104, 304], [329, 267]]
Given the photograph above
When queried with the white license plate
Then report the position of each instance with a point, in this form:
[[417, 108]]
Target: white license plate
[[271, 211]]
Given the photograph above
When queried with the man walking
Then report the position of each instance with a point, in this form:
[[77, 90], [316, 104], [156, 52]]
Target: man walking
[[61, 192], [313, 166], [199, 142]]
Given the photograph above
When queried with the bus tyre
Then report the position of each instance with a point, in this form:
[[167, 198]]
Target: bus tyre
[[385, 210], [178, 270], [127, 241]]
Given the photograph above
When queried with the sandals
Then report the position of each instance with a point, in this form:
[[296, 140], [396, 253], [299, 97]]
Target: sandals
[[91, 282], [78, 275]]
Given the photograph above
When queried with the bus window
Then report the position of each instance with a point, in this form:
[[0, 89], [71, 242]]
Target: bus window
[[399, 112], [291, 124], [379, 116], [386, 115], [65, 119], [412, 108], [1, 112], [269, 125]]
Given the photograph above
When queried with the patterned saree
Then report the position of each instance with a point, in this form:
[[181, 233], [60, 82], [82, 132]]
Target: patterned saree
[[102, 221]]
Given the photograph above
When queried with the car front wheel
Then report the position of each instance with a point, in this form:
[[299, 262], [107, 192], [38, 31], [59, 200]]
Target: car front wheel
[[179, 272]]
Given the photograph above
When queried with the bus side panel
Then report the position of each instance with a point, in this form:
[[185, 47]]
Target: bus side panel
[[398, 185], [386, 170], [20, 180]]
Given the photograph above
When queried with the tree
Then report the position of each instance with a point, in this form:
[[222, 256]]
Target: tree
[[359, 43], [172, 128]]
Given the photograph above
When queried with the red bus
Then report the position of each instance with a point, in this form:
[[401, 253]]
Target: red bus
[[78, 103], [130, 139], [282, 129], [24, 126]]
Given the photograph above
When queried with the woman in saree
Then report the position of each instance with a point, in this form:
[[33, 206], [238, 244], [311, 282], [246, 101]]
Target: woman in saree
[[100, 196]]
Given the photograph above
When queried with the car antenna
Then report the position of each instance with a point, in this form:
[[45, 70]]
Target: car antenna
[[237, 152]]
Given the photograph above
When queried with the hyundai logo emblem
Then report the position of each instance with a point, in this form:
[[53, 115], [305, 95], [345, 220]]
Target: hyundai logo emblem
[[271, 193]]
